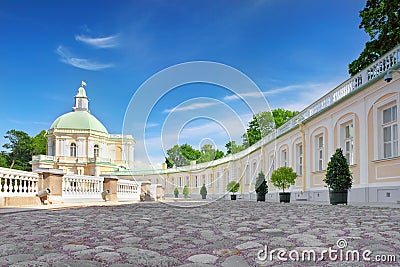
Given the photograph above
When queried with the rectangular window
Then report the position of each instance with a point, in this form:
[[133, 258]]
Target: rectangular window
[[195, 181], [348, 142], [247, 174], [390, 132], [180, 182], [299, 161], [187, 181], [272, 164], [284, 158], [203, 179], [319, 155]]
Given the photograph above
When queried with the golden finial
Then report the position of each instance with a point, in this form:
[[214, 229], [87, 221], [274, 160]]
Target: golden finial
[[83, 84]]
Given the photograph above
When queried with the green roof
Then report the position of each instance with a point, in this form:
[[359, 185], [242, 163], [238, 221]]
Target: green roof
[[79, 120]]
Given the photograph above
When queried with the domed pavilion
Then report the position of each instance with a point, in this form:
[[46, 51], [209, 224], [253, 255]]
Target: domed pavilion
[[78, 143]]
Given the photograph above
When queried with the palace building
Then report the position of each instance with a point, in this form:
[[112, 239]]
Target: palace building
[[361, 116], [78, 143]]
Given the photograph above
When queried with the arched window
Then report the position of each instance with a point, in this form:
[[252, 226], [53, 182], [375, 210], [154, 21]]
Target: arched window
[[72, 150], [96, 152]]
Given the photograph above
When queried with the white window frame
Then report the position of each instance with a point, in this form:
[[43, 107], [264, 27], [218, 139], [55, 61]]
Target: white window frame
[[319, 152], [247, 174], [284, 157], [379, 131], [72, 150], [96, 150], [393, 127], [351, 140], [299, 158]]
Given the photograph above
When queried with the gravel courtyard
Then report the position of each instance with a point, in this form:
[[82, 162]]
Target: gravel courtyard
[[221, 233]]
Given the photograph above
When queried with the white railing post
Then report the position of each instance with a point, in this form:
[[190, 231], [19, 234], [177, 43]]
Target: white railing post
[[18, 183], [128, 190]]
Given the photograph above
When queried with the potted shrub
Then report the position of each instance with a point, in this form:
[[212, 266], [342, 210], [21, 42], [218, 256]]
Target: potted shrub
[[185, 191], [233, 187], [261, 187], [338, 178], [176, 192], [283, 178], [203, 191]]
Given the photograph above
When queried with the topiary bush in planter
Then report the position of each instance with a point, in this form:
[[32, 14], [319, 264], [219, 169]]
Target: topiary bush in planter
[[203, 192], [261, 187], [185, 191], [233, 187], [338, 178], [176, 192], [283, 178]]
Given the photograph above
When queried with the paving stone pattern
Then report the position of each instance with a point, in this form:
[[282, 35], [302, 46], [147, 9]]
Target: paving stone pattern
[[223, 233]]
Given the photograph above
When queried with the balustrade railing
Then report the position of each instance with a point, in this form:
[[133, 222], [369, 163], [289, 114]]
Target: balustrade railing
[[128, 190], [18, 183], [81, 186]]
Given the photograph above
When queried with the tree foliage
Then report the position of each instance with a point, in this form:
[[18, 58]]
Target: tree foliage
[[20, 148], [203, 191], [265, 122], [232, 147], [281, 116], [380, 19], [232, 186], [175, 157], [283, 178], [182, 155], [185, 191], [176, 192], [338, 176], [261, 184]]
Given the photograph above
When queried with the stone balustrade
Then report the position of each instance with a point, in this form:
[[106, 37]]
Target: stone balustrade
[[18, 183], [81, 186], [128, 190]]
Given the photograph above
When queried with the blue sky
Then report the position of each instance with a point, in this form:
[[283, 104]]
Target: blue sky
[[293, 50]]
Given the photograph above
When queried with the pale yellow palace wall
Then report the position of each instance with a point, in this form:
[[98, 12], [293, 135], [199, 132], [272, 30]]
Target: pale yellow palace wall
[[365, 170]]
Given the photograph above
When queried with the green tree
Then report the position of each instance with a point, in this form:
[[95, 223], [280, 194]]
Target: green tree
[[281, 116], [208, 153], [3, 160], [203, 191], [170, 164], [265, 122], [380, 19], [185, 191], [261, 184], [176, 157], [283, 177], [39, 143], [253, 133], [189, 152], [232, 187], [232, 147], [338, 176], [19, 150], [176, 192]]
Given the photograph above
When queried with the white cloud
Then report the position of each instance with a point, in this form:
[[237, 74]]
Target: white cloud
[[274, 91], [191, 107], [306, 95], [152, 125], [81, 63], [104, 42]]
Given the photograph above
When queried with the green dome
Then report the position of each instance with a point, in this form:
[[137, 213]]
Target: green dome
[[79, 120]]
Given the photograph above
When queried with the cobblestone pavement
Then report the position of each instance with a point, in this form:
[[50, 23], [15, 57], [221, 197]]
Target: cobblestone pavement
[[223, 233]]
